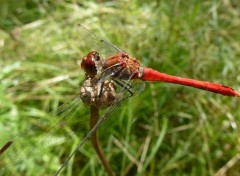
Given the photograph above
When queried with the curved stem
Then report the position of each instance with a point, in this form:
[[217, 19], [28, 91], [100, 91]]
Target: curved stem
[[94, 115]]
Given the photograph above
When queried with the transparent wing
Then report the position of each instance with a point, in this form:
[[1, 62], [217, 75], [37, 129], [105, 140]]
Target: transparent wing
[[49, 133], [125, 89], [46, 133], [88, 41]]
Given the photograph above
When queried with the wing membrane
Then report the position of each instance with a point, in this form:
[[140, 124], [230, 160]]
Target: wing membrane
[[44, 134], [88, 41], [48, 134], [126, 89]]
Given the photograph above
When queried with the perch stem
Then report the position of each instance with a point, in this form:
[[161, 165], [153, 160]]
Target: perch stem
[[94, 115]]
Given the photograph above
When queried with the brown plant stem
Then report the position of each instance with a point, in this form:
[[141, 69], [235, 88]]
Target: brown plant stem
[[94, 115], [5, 147]]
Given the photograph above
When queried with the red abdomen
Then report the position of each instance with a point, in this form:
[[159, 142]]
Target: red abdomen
[[153, 75]]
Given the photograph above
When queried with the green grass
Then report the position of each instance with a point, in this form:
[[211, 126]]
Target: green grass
[[167, 129]]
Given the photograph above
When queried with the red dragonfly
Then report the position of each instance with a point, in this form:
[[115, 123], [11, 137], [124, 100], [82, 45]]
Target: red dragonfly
[[121, 66], [124, 70], [126, 77]]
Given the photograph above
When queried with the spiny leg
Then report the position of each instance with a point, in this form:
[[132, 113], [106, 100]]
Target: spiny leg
[[124, 86]]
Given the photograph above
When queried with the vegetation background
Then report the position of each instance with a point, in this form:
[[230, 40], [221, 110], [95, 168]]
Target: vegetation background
[[167, 129]]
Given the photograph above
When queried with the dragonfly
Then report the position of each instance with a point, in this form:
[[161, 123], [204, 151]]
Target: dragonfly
[[111, 77], [124, 70]]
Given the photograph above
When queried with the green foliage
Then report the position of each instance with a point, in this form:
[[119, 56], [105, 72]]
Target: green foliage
[[167, 129]]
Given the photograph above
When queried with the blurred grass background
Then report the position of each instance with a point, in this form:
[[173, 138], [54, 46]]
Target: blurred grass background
[[167, 129]]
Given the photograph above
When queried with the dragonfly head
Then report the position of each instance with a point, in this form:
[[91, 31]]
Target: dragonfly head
[[88, 63]]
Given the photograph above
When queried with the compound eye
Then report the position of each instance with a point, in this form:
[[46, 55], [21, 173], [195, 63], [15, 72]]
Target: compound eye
[[124, 55], [88, 64]]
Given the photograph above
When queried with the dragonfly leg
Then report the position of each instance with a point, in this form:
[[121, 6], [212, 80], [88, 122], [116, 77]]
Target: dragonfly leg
[[101, 89], [122, 83], [126, 87]]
